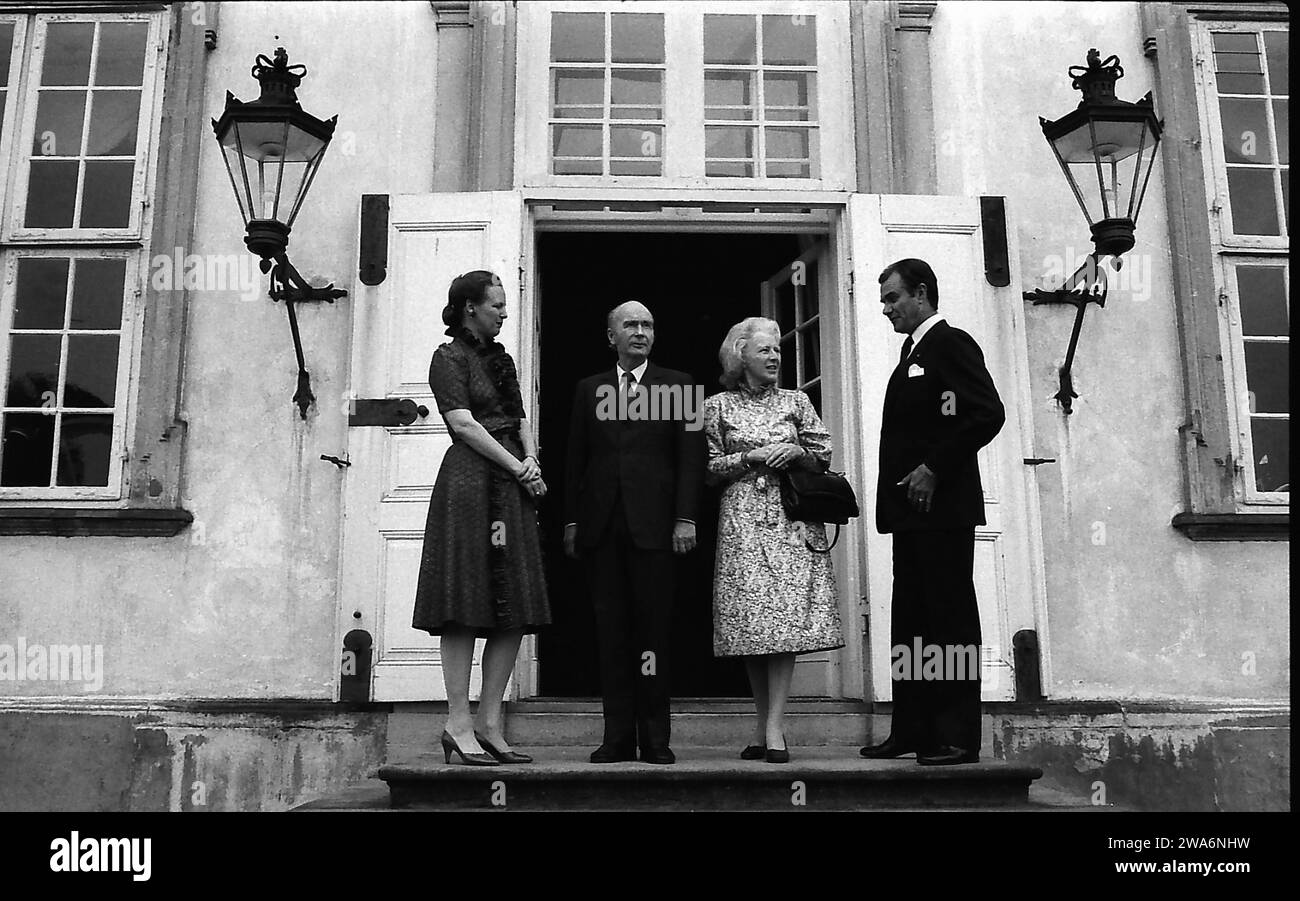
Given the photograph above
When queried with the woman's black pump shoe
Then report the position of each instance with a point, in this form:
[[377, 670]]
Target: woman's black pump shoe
[[449, 745], [753, 752], [502, 756], [772, 755]]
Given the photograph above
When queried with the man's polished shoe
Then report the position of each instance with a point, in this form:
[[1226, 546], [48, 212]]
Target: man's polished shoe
[[947, 755], [658, 755], [885, 750], [611, 753]]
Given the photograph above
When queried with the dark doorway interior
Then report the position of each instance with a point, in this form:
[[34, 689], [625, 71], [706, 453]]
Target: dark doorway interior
[[697, 286]]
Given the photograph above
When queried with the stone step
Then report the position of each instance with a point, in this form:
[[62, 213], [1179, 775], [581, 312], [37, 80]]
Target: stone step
[[706, 778], [414, 729]]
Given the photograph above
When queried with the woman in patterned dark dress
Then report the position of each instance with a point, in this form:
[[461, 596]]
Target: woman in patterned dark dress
[[481, 570], [773, 597]]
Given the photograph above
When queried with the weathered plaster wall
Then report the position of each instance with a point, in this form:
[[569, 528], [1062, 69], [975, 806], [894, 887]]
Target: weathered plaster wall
[[243, 604], [163, 759], [1146, 612]]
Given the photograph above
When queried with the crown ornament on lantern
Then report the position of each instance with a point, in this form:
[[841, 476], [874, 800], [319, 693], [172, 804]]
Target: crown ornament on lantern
[[1097, 79], [279, 80]]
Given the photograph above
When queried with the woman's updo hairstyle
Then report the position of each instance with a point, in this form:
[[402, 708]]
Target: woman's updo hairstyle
[[731, 354], [467, 288]]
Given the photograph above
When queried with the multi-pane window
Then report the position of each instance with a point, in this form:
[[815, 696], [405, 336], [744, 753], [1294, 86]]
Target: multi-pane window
[[790, 298], [1250, 71], [61, 397], [607, 93], [686, 94], [1245, 125], [760, 96], [1262, 338], [83, 97]]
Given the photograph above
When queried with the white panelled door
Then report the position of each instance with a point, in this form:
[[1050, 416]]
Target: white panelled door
[[396, 327], [946, 233]]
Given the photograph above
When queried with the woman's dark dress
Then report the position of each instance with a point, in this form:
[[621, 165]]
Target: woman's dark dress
[[481, 566]]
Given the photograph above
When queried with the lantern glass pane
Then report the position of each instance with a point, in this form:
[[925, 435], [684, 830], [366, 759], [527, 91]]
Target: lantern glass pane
[[261, 141], [1115, 140], [236, 173], [302, 173], [1123, 168]]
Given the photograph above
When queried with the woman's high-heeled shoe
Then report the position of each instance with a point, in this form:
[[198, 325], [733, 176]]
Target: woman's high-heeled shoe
[[449, 745], [772, 755], [502, 756], [753, 752]]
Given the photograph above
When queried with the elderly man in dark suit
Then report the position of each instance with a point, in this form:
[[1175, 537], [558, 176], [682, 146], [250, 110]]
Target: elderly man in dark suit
[[941, 407], [632, 490]]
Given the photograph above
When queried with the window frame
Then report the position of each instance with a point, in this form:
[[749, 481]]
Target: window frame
[[74, 243], [7, 126], [127, 353], [146, 134], [1229, 250], [683, 150], [1215, 508], [152, 450]]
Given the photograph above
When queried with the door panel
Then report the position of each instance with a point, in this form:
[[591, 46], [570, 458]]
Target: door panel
[[396, 327], [793, 298], [945, 232]]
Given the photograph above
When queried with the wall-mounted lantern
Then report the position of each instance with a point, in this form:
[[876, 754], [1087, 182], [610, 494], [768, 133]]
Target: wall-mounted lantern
[[272, 150], [1106, 148]]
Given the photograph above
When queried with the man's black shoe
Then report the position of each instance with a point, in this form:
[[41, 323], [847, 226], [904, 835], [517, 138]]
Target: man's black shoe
[[885, 750], [947, 756], [658, 755], [609, 753]]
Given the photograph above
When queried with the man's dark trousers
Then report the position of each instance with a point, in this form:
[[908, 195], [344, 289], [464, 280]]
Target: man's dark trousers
[[632, 593], [934, 600]]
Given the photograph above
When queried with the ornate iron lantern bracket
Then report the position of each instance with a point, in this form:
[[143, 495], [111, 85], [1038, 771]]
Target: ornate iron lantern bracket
[[1087, 285], [292, 288]]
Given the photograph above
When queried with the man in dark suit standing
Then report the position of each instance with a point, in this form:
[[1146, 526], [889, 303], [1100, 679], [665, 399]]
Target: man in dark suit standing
[[941, 407], [632, 490]]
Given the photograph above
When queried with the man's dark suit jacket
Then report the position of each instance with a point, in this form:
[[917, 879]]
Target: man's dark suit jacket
[[924, 424], [657, 466]]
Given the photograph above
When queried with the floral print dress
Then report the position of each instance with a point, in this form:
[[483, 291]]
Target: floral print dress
[[771, 594]]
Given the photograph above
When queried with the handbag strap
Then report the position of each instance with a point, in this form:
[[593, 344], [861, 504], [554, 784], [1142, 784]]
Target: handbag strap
[[828, 547]]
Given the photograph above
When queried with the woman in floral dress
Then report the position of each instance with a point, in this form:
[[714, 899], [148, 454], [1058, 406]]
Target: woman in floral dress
[[773, 597]]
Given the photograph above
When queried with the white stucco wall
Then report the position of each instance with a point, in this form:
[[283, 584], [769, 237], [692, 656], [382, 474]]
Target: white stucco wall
[[244, 604], [1149, 613], [250, 611]]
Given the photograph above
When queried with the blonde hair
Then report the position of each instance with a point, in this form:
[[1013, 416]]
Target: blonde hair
[[729, 355]]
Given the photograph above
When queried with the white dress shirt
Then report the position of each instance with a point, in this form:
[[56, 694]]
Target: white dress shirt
[[920, 331]]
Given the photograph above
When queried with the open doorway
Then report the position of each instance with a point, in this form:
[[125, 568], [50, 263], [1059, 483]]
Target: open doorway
[[697, 286]]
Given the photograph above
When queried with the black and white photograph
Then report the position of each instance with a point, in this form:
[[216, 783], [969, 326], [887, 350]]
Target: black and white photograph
[[868, 410]]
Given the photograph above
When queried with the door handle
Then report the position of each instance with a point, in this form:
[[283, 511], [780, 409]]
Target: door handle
[[385, 411]]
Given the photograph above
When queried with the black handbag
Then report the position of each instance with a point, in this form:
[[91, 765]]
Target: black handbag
[[825, 497]]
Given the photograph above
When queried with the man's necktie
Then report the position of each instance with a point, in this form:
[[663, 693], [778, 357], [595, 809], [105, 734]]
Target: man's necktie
[[629, 386], [907, 349]]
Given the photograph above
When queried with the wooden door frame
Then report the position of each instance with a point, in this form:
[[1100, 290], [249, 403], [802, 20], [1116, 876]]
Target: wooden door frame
[[828, 209]]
